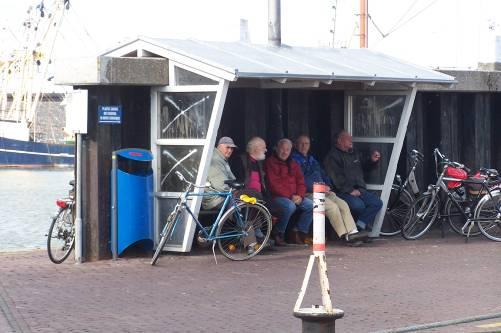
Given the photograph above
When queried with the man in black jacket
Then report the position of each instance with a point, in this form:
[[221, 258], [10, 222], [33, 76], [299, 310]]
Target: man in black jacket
[[344, 167]]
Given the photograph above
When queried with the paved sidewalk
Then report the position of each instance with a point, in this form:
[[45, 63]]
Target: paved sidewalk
[[388, 284]]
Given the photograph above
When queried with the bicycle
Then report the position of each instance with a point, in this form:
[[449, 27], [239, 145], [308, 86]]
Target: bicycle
[[468, 197], [61, 236], [401, 199], [241, 229]]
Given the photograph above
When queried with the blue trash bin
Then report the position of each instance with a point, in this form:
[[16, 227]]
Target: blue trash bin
[[131, 200]]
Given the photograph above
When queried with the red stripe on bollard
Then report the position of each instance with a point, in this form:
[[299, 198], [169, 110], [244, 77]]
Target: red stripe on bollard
[[318, 247]]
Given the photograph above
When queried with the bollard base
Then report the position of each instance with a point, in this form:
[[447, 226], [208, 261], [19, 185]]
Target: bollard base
[[317, 320]]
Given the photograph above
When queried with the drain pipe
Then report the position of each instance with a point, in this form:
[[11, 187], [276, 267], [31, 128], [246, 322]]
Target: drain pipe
[[274, 23], [78, 201]]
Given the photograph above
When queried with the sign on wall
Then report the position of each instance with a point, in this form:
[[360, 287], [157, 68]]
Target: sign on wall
[[109, 114]]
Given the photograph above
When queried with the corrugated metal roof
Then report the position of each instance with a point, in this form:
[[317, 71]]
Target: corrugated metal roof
[[247, 60]]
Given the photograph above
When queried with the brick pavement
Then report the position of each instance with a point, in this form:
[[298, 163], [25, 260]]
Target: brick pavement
[[387, 284]]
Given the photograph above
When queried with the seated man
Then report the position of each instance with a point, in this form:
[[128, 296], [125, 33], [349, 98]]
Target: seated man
[[219, 171], [286, 185], [336, 209], [248, 168], [346, 170]]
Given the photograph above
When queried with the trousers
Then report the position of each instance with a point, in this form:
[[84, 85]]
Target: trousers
[[338, 212]]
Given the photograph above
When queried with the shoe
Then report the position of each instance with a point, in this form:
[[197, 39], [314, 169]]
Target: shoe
[[308, 240], [279, 241], [354, 243], [297, 237], [359, 236], [369, 239], [251, 248]]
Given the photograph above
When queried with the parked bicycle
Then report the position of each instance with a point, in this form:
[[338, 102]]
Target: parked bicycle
[[402, 196], [61, 236], [471, 205], [241, 228]]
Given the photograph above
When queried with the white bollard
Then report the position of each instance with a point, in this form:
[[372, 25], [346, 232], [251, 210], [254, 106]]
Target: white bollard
[[318, 318], [319, 190]]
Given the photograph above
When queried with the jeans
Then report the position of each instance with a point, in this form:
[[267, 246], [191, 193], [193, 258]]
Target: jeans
[[364, 208], [288, 207]]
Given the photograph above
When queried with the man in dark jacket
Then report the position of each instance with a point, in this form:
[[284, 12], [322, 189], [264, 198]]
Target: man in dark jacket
[[344, 167], [336, 209], [286, 184]]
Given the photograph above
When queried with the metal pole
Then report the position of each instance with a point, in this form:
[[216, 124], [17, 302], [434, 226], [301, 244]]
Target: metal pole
[[364, 4], [78, 201], [274, 23]]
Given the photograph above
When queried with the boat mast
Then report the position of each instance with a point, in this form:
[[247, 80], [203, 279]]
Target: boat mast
[[333, 30], [24, 74]]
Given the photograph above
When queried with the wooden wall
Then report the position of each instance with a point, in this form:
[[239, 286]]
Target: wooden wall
[[276, 113], [462, 125], [97, 148]]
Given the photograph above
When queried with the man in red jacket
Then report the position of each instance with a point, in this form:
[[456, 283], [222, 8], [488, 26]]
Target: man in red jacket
[[286, 184]]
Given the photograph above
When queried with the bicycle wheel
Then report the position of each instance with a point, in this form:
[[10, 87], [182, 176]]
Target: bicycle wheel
[[61, 237], [399, 204], [420, 217], [244, 232], [165, 234], [488, 217], [457, 220]]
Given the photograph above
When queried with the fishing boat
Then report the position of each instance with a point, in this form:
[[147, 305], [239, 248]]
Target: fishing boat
[[31, 107]]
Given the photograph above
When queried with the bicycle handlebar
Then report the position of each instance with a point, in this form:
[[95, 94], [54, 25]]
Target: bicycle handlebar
[[190, 184], [416, 156]]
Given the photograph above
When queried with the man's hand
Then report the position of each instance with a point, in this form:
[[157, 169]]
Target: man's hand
[[355, 193], [375, 156], [296, 199]]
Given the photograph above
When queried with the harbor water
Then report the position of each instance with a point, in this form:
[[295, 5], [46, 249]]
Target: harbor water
[[27, 204]]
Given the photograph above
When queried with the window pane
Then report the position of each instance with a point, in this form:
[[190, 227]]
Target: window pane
[[377, 116], [184, 159], [375, 176], [184, 77], [185, 115]]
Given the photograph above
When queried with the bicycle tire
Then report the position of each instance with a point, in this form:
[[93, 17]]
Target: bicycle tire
[[416, 223], [236, 242], [488, 217], [61, 237], [456, 219], [165, 234], [396, 211]]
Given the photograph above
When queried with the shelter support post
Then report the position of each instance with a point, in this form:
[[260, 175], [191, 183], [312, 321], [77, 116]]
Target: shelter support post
[[395, 155]]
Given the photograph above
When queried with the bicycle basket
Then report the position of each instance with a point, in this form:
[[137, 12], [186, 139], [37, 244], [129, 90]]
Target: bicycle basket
[[455, 173]]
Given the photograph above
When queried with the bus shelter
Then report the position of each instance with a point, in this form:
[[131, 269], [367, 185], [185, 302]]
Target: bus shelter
[[242, 90]]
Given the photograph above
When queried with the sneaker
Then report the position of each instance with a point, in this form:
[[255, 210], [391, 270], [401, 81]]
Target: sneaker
[[251, 248]]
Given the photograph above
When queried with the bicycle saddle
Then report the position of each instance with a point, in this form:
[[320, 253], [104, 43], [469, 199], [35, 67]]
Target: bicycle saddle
[[234, 184]]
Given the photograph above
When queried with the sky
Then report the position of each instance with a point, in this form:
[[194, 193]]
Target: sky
[[433, 33]]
